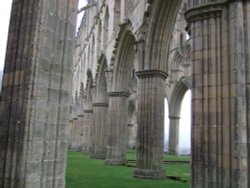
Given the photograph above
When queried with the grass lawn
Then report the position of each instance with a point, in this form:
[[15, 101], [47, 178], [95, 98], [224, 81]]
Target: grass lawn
[[83, 172]]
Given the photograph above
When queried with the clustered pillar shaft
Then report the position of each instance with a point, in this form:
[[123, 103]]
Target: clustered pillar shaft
[[88, 128], [220, 41], [173, 148], [34, 108], [150, 132], [100, 130], [117, 128]]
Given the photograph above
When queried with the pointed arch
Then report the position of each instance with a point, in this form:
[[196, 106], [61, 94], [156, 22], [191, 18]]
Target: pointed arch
[[101, 82], [123, 59], [176, 98], [161, 21]]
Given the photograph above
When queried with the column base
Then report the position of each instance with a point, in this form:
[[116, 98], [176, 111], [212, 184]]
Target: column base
[[98, 156], [149, 174], [115, 162]]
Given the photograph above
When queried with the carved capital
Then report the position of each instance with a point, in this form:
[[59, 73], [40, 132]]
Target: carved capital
[[212, 9]]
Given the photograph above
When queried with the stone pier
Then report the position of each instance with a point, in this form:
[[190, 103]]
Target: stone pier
[[117, 126], [34, 108], [150, 132], [173, 147], [220, 94]]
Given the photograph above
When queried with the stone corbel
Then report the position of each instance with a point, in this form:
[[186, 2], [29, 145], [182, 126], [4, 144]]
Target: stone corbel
[[206, 10], [139, 48], [93, 91], [109, 78]]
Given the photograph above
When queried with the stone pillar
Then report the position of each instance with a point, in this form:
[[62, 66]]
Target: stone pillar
[[70, 133], [34, 109], [88, 123], [220, 95], [100, 130], [80, 132], [74, 134], [173, 141], [117, 128], [150, 134]]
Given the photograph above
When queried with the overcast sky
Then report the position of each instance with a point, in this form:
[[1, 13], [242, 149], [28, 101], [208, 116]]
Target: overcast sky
[[4, 21], [185, 112]]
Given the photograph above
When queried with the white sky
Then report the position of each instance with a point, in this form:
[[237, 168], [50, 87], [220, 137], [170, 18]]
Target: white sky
[[185, 122], [4, 21]]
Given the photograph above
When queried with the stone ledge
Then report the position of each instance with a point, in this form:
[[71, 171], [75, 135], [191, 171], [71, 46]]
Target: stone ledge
[[149, 174], [88, 111], [151, 73], [100, 104], [119, 94]]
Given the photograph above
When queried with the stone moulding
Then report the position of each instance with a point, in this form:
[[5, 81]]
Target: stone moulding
[[198, 12], [151, 73], [100, 105], [118, 94], [88, 111]]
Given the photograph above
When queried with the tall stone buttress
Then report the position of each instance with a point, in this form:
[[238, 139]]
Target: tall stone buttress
[[220, 93], [34, 109]]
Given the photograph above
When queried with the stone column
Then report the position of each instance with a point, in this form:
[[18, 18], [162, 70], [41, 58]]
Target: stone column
[[34, 109], [74, 134], [80, 132], [117, 128], [88, 123], [173, 141], [220, 95], [70, 133], [100, 130], [150, 134]]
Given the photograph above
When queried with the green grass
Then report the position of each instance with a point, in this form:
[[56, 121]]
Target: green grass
[[83, 172]]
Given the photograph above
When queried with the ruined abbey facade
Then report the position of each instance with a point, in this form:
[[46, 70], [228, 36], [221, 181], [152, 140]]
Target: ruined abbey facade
[[102, 90]]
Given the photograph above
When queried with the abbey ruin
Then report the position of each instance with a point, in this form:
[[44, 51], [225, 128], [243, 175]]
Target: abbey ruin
[[101, 89]]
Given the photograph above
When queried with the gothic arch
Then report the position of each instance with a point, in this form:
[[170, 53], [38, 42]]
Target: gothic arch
[[118, 97], [162, 18], [177, 95], [100, 111], [124, 59], [174, 115], [101, 82]]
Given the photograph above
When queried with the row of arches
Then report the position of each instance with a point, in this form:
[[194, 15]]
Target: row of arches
[[34, 106], [122, 80]]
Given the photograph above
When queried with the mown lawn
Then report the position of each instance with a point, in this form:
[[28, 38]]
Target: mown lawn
[[83, 172]]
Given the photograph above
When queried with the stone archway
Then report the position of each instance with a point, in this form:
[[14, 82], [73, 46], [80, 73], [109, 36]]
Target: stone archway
[[100, 106], [88, 121], [118, 97], [180, 89], [151, 72]]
